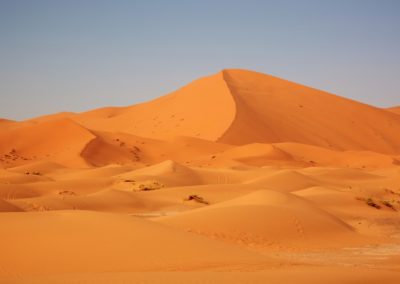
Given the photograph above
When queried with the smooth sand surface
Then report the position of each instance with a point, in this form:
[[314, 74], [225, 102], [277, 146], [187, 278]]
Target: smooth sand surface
[[238, 177], [395, 109]]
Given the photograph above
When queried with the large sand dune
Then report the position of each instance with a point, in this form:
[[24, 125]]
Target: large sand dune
[[279, 111], [244, 107], [238, 177]]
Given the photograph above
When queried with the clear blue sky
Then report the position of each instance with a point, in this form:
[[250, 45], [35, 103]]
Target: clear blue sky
[[76, 55]]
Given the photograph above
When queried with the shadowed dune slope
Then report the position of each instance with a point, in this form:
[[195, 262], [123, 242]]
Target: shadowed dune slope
[[8, 207], [269, 109], [59, 140]]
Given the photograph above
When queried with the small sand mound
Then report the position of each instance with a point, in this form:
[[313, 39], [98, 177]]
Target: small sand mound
[[285, 180], [266, 218], [168, 172], [256, 154], [42, 167]]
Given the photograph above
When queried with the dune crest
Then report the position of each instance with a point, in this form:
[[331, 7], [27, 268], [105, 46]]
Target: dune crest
[[180, 113], [280, 111]]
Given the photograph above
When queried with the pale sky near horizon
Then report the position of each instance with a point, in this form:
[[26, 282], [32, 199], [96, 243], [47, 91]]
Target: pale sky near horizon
[[76, 55]]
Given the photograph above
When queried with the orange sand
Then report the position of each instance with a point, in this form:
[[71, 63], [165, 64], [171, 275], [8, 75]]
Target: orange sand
[[238, 177]]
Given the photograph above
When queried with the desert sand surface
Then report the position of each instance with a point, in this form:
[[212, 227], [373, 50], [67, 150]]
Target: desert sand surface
[[395, 109], [238, 177]]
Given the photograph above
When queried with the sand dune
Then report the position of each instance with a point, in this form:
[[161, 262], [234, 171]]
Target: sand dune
[[15, 191], [42, 167], [50, 117], [61, 140], [167, 172], [5, 123], [394, 109], [276, 109], [299, 155], [281, 111], [319, 156], [177, 114], [257, 154], [75, 239], [268, 219], [285, 180], [238, 177]]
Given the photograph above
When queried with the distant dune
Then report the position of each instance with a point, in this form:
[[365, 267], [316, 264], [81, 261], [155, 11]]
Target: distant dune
[[241, 107]]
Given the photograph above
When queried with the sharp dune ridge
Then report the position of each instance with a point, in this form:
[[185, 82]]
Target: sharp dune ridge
[[238, 175], [282, 111]]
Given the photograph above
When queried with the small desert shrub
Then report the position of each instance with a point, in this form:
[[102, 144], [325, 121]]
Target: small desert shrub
[[33, 173], [148, 185], [369, 201], [396, 162], [372, 203], [66, 192], [196, 198], [388, 204], [391, 192]]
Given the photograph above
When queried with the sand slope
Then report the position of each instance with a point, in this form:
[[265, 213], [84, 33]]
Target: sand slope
[[78, 241], [57, 139], [266, 218], [8, 207], [281, 111], [180, 113], [306, 275], [395, 109]]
